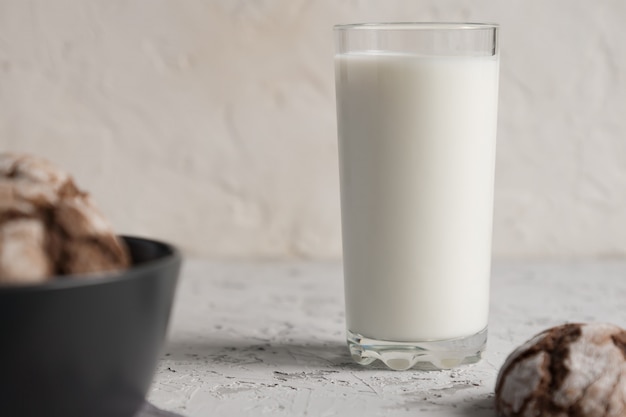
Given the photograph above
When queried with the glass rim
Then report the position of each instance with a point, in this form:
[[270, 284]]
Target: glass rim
[[416, 26]]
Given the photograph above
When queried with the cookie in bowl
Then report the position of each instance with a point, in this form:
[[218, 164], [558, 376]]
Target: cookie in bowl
[[49, 227]]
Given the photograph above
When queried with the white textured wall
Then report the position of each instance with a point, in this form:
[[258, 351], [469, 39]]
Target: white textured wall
[[211, 123]]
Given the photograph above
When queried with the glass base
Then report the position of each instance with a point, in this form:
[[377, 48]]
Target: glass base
[[433, 355]]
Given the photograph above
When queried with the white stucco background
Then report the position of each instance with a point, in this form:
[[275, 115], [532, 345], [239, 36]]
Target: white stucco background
[[212, 123]]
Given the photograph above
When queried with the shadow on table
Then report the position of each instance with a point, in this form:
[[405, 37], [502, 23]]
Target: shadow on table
[[481, 407], [326, 354], [425, 403]]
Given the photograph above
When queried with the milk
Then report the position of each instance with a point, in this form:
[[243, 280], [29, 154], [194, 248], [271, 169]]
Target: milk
[[417, 149]]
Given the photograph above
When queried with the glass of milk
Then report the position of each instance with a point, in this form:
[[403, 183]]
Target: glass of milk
[[416, 112]]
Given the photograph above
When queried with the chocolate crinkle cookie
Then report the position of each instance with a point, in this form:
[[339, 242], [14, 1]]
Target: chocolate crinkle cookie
[[48, 227], [573, 370]]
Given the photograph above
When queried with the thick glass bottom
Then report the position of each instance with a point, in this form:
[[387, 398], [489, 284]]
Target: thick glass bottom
[[432, 355]]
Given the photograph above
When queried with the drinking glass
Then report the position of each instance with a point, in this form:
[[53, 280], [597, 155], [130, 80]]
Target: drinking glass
[[416, 116]]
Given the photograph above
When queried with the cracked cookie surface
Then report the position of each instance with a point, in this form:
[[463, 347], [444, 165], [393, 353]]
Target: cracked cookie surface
[[569, 370], [48, 226]]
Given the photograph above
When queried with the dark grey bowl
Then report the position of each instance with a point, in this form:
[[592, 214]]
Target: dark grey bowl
[[87, 347]]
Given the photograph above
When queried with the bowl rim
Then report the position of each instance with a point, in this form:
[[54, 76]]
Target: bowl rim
[[106, 277]]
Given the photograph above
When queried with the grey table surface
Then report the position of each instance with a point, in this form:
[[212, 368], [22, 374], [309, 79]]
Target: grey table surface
[[254, 339]]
